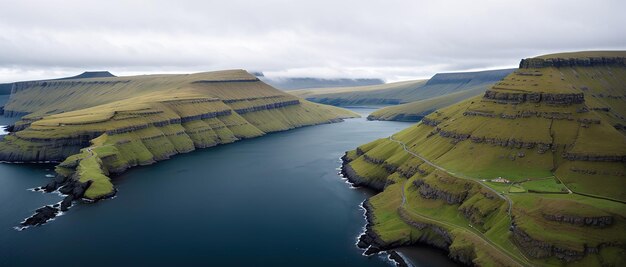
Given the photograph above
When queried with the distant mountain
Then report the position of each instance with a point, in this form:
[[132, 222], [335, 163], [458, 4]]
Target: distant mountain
[[381, 94], [305, 82], [403, 92], [90, 74], [441, 90], [416, 110], [5, 88]]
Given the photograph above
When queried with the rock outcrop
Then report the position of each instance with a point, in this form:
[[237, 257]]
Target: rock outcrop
[[534, 63], [540, 249], [430, 192], [596, 221], [349, 173], [548, 98], [41, 216]]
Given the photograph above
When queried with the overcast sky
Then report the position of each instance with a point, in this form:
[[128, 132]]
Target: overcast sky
[[393, 40]]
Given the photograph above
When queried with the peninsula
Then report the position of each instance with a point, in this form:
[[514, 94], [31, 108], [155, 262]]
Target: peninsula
[[98, 127]]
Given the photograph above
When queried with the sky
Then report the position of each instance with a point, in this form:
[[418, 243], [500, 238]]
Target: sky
[[392, 39]]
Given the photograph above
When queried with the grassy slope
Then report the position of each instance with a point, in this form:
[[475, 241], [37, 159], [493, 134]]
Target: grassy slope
[[106, 125], [471, 142]]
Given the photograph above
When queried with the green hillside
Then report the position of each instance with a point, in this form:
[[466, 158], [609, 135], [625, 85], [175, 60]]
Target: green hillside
[[530, 173], [97, 127]]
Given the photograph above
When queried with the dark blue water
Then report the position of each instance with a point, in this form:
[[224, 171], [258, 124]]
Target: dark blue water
[[274, 200], [4, 99]]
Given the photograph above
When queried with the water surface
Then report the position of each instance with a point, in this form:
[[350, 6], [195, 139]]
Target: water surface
[[275, 200]]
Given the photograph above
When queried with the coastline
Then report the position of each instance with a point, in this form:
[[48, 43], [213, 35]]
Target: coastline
[[370, 242], [73, 190]]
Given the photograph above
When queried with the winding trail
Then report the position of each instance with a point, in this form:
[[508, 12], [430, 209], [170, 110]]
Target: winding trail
[[90, 152], [520, 261], [523, 261], [499, 194]]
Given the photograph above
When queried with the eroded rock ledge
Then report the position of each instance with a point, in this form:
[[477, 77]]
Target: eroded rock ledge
[[19, 86], [70, 187], [540, 249], [515, 143], [533, 97], [349, 173], [571, 62], [430, 192], [596, 221]]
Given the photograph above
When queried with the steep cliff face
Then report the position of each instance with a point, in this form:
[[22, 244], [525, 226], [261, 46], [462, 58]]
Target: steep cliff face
[[531, 172], [166, 115], [557, 62]]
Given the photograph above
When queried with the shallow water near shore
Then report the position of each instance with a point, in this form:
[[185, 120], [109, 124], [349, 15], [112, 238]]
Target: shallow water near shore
[[275, 200]]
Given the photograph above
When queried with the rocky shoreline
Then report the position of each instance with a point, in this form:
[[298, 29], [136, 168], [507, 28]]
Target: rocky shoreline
[[369, 240], [71, 189], [74, 190]]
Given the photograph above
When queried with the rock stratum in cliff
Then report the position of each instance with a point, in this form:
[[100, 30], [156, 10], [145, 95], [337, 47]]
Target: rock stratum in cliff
[[531, 173], [99, 127]]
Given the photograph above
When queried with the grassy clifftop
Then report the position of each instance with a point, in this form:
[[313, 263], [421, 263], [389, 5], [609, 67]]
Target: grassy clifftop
[[533, 172], [99, 126]]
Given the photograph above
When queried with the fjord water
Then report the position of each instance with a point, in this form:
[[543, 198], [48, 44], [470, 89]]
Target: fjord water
[[275, 200], [4, 121]]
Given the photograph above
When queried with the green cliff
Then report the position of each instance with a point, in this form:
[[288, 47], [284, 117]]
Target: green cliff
[[531, 173], [98, 127]]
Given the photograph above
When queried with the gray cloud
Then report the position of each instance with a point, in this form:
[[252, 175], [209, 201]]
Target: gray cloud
[[352, 38]]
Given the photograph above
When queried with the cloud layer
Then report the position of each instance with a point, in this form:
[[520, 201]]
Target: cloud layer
[[389, 39]]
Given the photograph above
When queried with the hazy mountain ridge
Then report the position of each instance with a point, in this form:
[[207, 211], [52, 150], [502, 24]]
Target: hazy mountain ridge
[[296, 83], [403, 92], [451, 87]]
